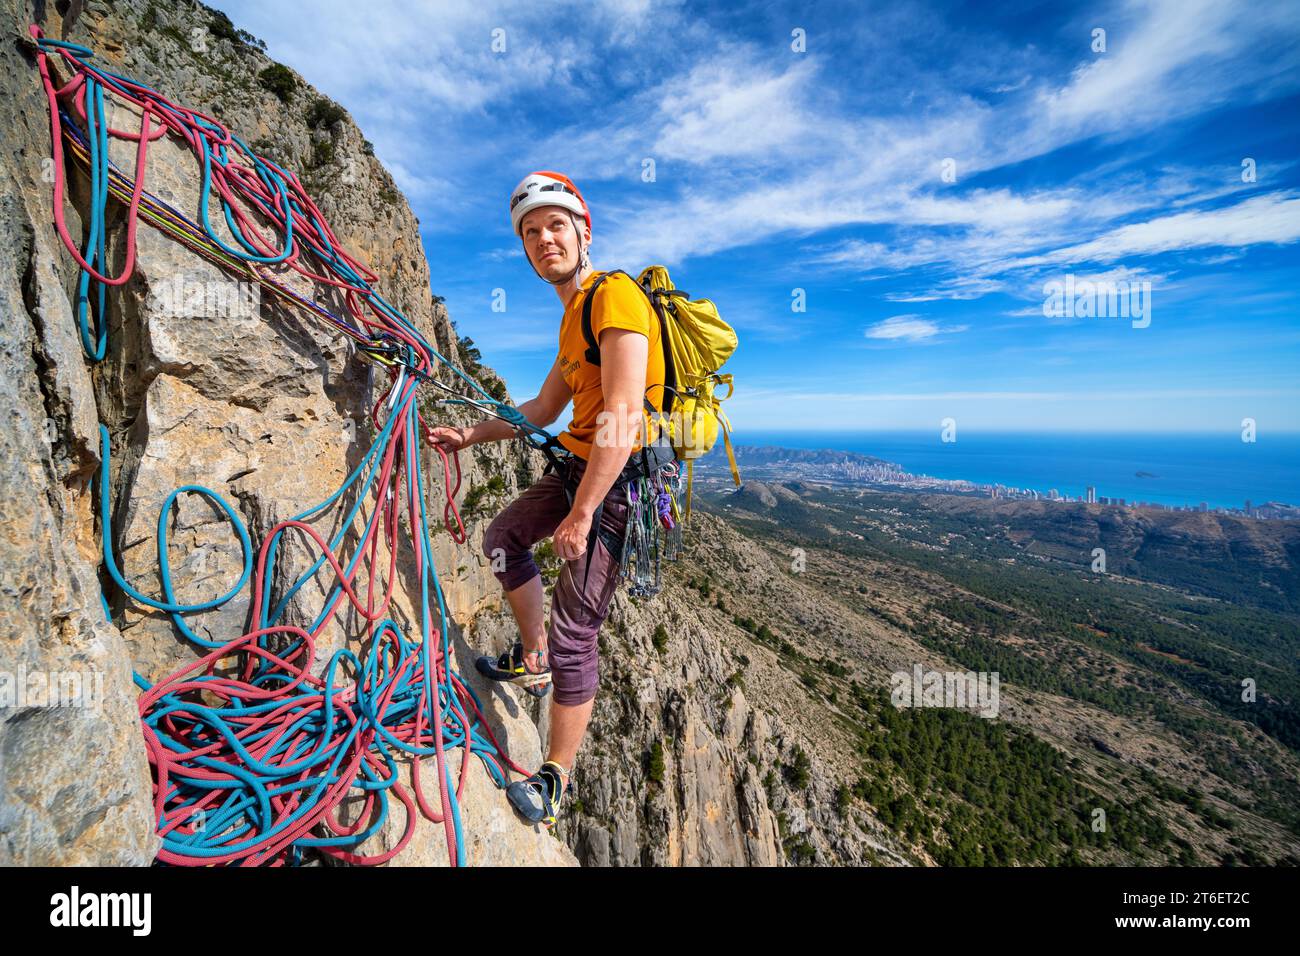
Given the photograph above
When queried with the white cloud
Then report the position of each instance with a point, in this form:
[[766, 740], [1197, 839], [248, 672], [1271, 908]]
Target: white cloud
[[502, 253], [1169, 58], [911, 327], [730, 108], [413, 74], [960, 289], [1011, 87], [1270, 218], [755, 148], [877, 171]]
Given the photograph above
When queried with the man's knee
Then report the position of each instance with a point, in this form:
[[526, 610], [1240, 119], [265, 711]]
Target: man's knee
[[511, 562], [493, 544], [570, 697], [575, 674]]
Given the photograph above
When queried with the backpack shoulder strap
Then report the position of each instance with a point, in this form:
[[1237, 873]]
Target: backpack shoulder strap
[[592, 354]]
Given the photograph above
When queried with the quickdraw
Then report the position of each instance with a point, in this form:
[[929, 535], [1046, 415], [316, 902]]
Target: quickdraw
[[654, 528]]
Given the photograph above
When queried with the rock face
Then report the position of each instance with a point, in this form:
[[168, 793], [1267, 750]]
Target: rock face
[[681, 766], [764, 495], [268, 409], [755, 495], [265, 407]]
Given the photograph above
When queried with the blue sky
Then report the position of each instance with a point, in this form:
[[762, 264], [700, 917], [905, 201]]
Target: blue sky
[[824, 170]]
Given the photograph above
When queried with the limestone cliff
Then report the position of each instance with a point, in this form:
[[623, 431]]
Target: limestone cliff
[[269, 410]]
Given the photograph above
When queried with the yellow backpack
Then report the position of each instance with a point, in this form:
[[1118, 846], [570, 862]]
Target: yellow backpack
[[696, 342]]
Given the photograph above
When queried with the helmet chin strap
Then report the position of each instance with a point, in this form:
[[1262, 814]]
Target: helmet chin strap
[[582, 257]]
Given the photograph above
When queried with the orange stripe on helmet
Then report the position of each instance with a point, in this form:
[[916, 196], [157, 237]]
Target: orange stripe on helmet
[[586, 210]]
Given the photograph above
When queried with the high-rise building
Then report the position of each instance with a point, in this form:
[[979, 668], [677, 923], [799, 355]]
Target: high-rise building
[[1092, 495]]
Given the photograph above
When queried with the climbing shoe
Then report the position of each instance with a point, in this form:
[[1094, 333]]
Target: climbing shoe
[[538, 798], [509, 667]]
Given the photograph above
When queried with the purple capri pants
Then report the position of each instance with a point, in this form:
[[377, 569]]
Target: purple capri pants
[[577, 612]]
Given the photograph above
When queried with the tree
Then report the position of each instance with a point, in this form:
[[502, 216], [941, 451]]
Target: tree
[[656, 769], [279, 79], [660, 637]]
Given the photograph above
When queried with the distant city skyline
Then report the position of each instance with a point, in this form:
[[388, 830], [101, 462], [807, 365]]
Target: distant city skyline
[[1173, 470], [888, 474]]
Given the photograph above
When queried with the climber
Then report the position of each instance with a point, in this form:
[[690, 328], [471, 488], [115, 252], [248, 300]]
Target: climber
[[582, 504]]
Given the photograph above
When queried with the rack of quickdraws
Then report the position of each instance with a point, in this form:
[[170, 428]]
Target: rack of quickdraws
[[654, 528]]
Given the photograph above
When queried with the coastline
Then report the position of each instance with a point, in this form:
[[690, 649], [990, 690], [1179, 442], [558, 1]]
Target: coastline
[[1178, 472]]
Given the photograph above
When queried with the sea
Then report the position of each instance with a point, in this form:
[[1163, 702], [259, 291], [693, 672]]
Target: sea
[[1170, 469]]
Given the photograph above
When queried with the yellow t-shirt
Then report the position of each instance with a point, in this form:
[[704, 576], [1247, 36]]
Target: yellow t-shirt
[[619, 304]]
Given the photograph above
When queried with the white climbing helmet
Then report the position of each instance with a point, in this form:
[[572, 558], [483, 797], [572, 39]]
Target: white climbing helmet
[[545, 188]]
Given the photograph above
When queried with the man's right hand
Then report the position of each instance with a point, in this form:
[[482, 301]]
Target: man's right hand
[[450, 438]]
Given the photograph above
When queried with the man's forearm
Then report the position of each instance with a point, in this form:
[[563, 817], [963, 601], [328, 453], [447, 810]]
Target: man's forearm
[[603, 468], [608, 457]]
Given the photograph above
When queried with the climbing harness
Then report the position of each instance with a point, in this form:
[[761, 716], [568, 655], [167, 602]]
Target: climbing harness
[[252, 754]]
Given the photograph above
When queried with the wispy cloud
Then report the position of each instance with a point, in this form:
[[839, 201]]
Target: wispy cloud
[[912, 328], [893, 177], [1271, 218], [826, 170]]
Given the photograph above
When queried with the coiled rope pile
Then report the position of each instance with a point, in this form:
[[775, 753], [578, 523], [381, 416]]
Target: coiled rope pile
[[251, 769]]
